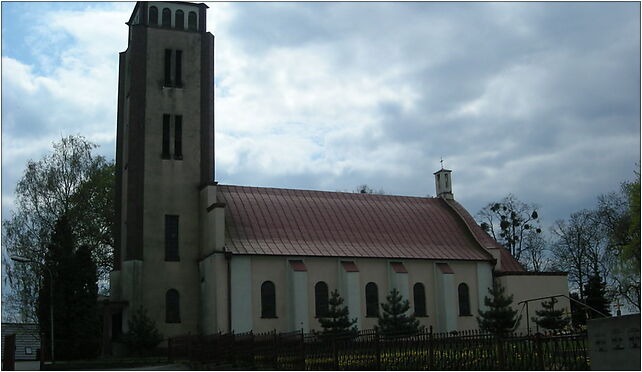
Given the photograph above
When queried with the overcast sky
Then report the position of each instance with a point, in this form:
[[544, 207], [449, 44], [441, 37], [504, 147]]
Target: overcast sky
[[541, 100]]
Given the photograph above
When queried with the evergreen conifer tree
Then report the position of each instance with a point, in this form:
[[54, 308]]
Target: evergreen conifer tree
[[595, 292], [500, 318], [394, 319], [578, 312], [142, 336], [549, 318], [75, 294], [336, 321]]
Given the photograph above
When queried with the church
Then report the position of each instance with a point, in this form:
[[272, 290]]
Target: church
[[203, 257]]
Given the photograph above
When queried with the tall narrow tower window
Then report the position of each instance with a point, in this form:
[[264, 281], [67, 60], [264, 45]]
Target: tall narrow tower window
[[171, 238], [167, 18], [165, 153], [191, 21], [178, 137], [153, 15], [168, 67], [179, 68], [179, 20]]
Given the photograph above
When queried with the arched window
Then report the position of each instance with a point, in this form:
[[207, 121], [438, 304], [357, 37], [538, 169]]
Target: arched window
[[153, 15], [172, 307], [167, 18], [191, 21], [464, 300], [268, 300], [179, 21], [321, 299], [419, 296], [372, 300]]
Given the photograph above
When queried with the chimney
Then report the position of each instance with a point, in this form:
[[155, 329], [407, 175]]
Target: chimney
[[443, 183]]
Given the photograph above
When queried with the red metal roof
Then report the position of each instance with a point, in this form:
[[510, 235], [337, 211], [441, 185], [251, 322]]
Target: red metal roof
[[350, 266], [298, 265], [507, 261], [270, 221], [445, 268], [398, 267]]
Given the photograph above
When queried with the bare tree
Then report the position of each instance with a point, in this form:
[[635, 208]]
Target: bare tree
[[508, 220], [580, 248]]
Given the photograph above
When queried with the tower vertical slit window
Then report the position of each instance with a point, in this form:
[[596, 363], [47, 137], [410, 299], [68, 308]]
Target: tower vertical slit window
[[167, 18], [191, 21], [419, 297], [321, 299], [153, 16], [179, 20], [372, 300], [464, 300], [268, 300], [178, 137], [165, 154], [179, 68], [172, 307], [171, 238], [168, 67]]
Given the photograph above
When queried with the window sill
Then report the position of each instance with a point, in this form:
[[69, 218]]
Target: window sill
[[269, 317], [172, 260], [372, 316], [465, 314]]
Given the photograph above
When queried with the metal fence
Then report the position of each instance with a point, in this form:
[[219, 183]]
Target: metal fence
[[369, 350]]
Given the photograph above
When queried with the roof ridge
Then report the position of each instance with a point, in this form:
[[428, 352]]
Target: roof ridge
[[329, 192]]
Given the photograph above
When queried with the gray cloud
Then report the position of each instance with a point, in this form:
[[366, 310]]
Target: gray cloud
[[538, 99]]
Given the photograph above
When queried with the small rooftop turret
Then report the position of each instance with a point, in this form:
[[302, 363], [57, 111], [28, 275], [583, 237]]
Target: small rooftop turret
[[443, 183]]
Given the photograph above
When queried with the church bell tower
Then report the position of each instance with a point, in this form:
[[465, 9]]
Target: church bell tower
[[164, 156]]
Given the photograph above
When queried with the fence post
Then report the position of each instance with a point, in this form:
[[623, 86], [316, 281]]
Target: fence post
[[252, 356], [539, 351], [378, 347], [334, 352], [302, 350], [276, 350], [431, 350], [500, 353]]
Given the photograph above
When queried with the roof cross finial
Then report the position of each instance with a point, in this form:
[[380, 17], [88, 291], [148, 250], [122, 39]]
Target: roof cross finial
[[442, 162]]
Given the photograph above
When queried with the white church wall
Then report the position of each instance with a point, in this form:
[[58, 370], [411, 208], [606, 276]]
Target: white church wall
[[207, 222], [351, 293], [421, 271], [484, 281], [320, 269], [208, 314], [466, 272], [241, 281], [298, 299], [535, 285], [270, 268], [446, 297], [376, 271], [398, 281]]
